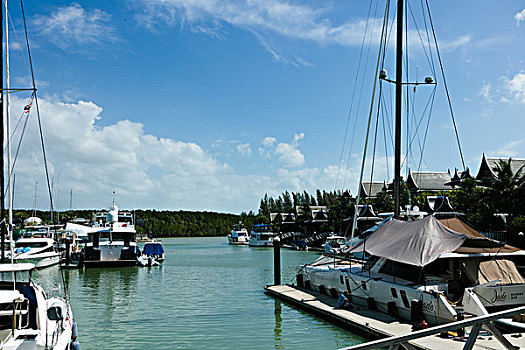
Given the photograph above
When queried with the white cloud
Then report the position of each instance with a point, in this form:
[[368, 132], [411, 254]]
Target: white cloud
[[144, 170], [284, 18], [514, 88], [289, 155], [269, 141], [485, 92], [519, 17], [244, 149], [511, 149], [73, 26]]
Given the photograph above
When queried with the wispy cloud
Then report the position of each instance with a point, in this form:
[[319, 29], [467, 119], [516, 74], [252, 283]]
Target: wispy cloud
[[519, 17], [244, 149], [74, 26], [262, 18], [510, 149], [485, 92]]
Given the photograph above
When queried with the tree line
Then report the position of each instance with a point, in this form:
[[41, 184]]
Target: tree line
[[478, 200]]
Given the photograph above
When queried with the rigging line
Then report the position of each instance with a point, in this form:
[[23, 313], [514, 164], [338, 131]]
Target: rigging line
[[37, 109], [420, 37], [19, 121], [375, 134], [19, 144], [428, 106], [361, 92], [445, 85], [17, 38], [385, 139], [353, 96], [433, 65], [354, 221], [428, 126]]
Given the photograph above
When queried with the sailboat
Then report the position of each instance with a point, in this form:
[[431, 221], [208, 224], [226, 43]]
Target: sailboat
[[30, 318], [436, 270]]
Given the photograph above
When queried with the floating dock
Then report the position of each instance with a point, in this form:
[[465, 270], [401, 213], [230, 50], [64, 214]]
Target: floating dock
[[374, 325]]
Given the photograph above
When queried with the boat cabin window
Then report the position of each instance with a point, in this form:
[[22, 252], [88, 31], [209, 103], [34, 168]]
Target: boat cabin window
[[123, 236], [404, 271], [261, 228], [27, 244], [20, 277], [104, 236]]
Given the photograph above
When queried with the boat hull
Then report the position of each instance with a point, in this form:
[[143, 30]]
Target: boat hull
[[385, 297]]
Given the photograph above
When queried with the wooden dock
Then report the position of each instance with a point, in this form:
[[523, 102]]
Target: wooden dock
[[375, 325]]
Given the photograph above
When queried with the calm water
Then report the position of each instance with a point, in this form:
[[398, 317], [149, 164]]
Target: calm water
[[207, 294]]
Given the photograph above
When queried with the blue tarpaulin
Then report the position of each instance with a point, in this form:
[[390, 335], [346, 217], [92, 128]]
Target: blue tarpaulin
[[153, 249]]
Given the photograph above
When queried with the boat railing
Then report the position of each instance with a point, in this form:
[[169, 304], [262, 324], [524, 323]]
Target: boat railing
[[477, 323]]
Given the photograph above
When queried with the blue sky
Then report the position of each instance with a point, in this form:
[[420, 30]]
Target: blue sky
[[208, 105]]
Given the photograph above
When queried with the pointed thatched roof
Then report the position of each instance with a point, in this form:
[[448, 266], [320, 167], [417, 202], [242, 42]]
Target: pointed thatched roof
[[487, 169], [428, 181], [371, 189]]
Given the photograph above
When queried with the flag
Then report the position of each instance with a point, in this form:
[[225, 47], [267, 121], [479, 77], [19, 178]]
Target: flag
[[27, 108]]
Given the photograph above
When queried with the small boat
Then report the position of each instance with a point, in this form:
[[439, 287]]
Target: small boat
[[147, 261], [28, 318], [38, 251], [261, 236], [334, 244], [299, 245], [154, 249], [238, 235]]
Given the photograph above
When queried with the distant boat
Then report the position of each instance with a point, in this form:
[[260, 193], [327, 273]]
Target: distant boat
[[153, 249], [261, 236], [334, 244], [111, 240], [238, 235]]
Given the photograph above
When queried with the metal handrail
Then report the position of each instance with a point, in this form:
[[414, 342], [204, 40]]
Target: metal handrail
[[475, 321]]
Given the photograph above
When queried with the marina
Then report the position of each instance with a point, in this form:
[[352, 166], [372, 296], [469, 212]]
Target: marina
[[206, 294], [215, 127]]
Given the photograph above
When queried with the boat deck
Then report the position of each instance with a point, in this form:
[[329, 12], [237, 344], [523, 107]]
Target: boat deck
[[375, 325]]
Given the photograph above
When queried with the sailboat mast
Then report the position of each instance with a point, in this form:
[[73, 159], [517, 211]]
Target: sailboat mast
[[2, 180], [399, 95], [9, 176]]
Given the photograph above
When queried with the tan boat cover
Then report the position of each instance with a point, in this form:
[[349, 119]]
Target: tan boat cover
[[411, 242], [483, 245], [487, 271]]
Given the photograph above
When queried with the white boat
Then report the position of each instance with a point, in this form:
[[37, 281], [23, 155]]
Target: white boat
[[153, 249], [29, 319], [238, 235], [334, 244], [426, 261], [261, 236], [38, 251], [147, 261], [111, 240]]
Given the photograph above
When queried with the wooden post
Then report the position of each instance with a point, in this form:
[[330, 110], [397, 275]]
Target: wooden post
[[276, 260]]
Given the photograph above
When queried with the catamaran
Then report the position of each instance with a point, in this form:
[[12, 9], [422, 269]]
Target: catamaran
[[439, 269]]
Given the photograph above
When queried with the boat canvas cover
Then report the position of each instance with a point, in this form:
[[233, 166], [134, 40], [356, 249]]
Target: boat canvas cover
[[153, 249], [501, 270], [411, 242]]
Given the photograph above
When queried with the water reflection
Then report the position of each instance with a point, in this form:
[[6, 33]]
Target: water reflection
[[277, 330]]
